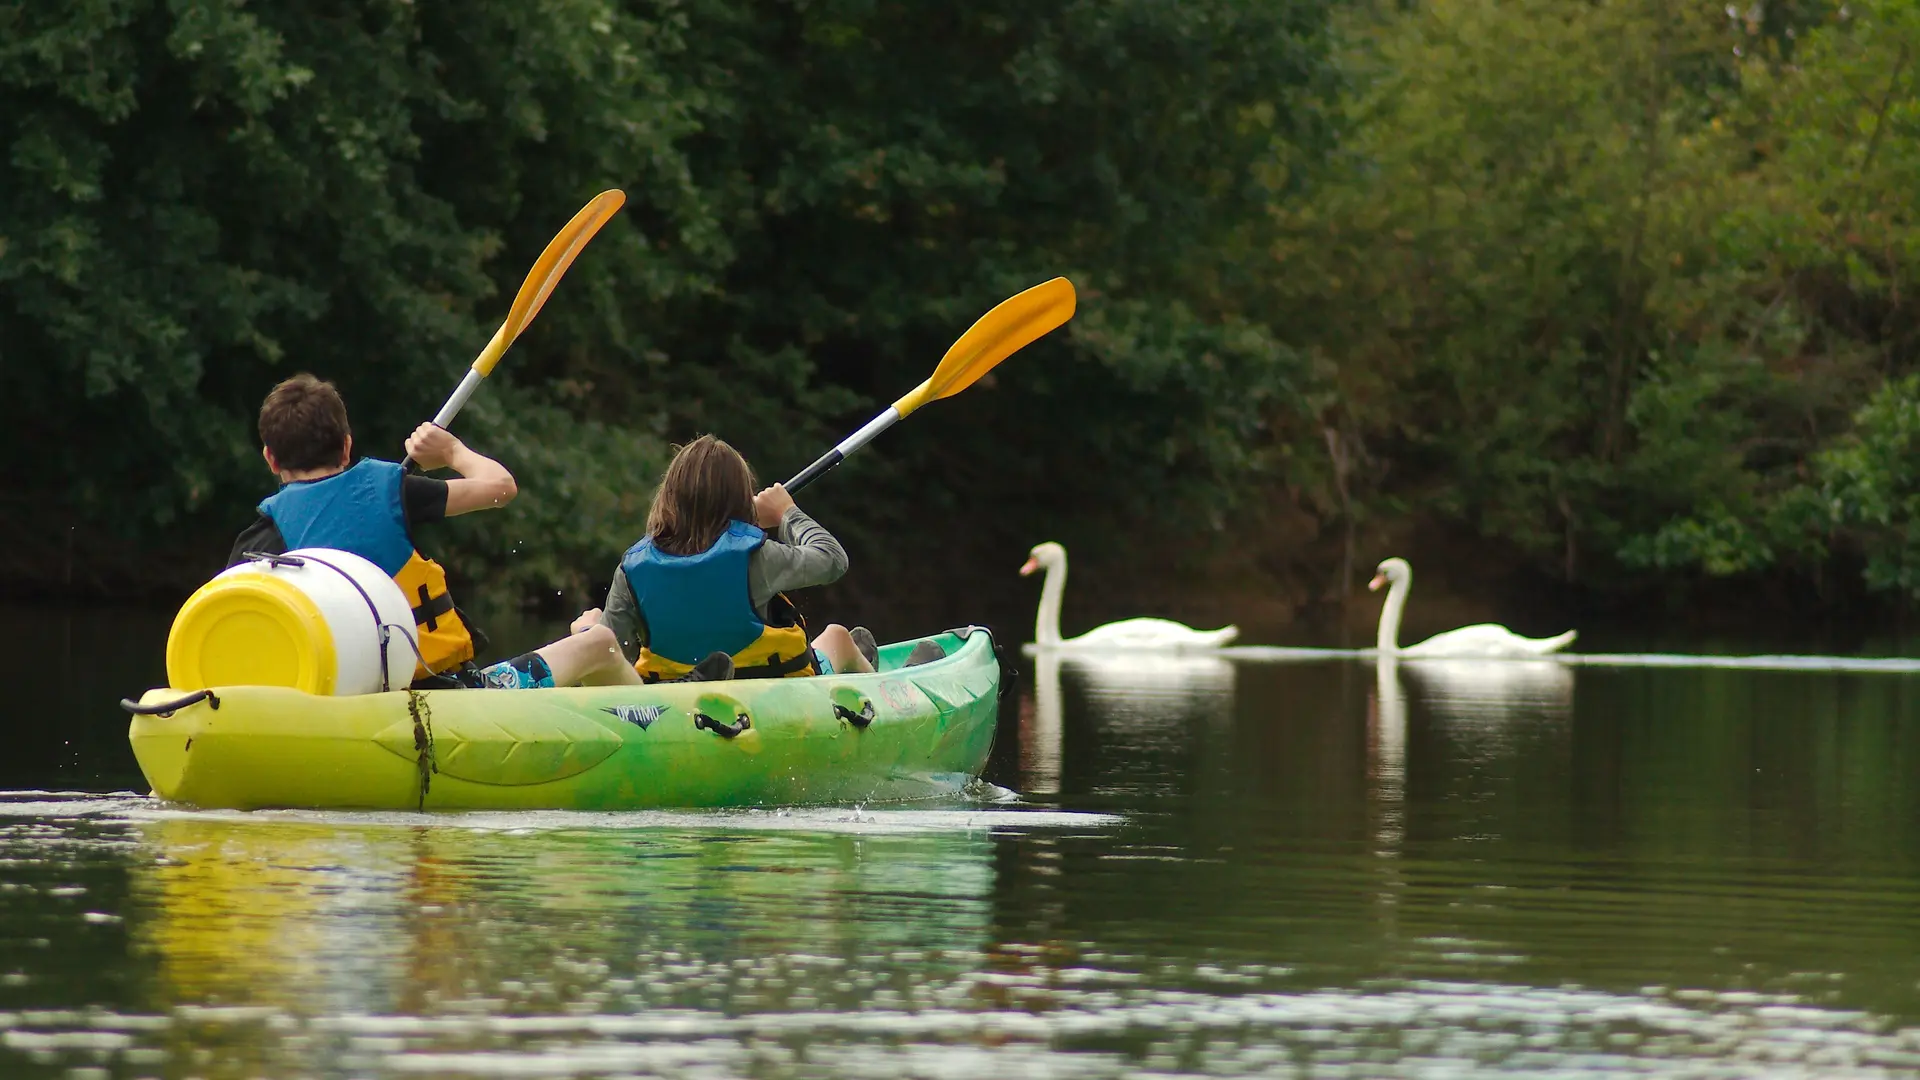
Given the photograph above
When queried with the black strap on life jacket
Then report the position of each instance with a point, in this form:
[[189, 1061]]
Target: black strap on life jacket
[[777, 668], [782, 614], [430, 609]]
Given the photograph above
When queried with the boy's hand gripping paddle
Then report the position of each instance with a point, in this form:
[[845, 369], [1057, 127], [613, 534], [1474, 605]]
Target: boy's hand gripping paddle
[[546, 273], [1012, 325]]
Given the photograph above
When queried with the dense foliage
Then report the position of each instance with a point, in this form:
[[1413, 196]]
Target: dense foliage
[[202, 196], [1627, 289]]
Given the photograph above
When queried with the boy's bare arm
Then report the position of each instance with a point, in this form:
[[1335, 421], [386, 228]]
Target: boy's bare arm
[[484, 483]]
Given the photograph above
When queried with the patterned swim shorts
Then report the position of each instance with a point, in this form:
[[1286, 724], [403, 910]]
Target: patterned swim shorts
[[528, 671]]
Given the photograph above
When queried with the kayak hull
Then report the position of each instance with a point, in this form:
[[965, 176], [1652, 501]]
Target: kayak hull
[[897, 734]]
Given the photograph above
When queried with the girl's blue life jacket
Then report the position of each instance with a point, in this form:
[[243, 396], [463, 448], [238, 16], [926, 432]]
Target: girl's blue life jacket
[[700, 604]]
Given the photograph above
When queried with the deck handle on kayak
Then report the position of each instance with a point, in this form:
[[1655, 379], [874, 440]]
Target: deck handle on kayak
[[858, 719], [725, 731], [168, 708]]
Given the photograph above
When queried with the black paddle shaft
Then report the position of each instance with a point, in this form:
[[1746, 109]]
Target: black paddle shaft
[[816, 470]]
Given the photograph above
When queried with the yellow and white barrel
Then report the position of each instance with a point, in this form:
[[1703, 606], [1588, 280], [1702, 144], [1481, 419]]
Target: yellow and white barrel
[[313, 619]]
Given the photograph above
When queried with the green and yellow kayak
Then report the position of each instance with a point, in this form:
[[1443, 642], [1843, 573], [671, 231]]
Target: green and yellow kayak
[[899, 733]]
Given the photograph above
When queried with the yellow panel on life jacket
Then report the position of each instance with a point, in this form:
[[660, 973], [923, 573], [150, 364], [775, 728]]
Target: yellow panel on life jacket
[[780, 651], [445, 642]]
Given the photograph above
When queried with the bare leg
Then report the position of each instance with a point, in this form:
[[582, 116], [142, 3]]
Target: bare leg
[[837, 646], [589, 658]]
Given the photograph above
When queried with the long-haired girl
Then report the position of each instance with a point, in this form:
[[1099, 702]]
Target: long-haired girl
[[709, 578]]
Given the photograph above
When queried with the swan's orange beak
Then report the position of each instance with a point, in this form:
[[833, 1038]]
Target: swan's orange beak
[[1378, 580], [1028, 567]]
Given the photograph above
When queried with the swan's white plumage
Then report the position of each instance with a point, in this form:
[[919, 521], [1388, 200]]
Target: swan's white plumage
[[1145, 633], [1129, 634], [1479, 640]]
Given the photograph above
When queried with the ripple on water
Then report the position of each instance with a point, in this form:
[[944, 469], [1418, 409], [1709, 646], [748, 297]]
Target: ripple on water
[[1000, 812], [1418, 1029], [858, 820]]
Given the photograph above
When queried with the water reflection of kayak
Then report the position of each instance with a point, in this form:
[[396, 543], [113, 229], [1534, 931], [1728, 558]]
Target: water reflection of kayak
[[335, 916], [900, 733]]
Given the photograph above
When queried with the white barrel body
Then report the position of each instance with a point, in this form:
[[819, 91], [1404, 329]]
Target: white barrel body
[[223, 633], [356, 630]]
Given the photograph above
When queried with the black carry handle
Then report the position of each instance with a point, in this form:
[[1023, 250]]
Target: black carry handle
[[725, 731], [168, 708], [858, 719]]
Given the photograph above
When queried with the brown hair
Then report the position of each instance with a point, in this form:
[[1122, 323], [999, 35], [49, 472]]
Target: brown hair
[[706, 486], [304, 422]]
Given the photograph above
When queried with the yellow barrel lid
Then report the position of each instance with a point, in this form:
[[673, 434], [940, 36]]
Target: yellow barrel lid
[[251, 628]]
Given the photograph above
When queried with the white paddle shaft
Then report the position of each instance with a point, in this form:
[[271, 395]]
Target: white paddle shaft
[[866, 434], [459, 399], [847, 446]]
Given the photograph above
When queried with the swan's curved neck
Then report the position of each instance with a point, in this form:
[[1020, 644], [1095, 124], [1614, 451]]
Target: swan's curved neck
[[1388, 638], [1046, 628]]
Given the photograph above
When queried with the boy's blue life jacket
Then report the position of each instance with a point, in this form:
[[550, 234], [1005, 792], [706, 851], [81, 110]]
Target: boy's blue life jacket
[[700, 604], [360, 510]]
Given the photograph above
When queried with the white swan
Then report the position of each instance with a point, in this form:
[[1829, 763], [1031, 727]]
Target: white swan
[[1125, 634], [1481, 640]]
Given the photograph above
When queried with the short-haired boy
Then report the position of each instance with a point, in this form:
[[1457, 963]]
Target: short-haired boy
[[371, 508]]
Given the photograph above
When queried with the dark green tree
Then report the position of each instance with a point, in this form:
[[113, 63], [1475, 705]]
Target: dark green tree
[[201, 197]]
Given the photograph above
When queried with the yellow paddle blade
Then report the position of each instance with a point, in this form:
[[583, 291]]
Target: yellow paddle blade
[[546, 273], [1012, 325]]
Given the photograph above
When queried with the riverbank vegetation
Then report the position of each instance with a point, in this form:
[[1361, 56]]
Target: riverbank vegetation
[[1622, 293], [1627, 288]]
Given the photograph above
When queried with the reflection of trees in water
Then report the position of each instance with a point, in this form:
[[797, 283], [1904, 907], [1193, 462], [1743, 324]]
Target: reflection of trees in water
[[1179, 743], [1772, 764], [1617, 834], [1439, 821], [347, 919], [1664, 762]]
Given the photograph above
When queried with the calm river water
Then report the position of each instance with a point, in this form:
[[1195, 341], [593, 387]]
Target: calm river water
[[1210, 868]]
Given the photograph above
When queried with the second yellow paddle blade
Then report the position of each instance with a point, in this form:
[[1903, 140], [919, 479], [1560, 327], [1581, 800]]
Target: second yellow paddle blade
[[547, 271], [1012, 325]]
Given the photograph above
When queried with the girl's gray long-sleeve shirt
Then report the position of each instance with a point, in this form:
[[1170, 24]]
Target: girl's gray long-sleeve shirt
[[801, 553]]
